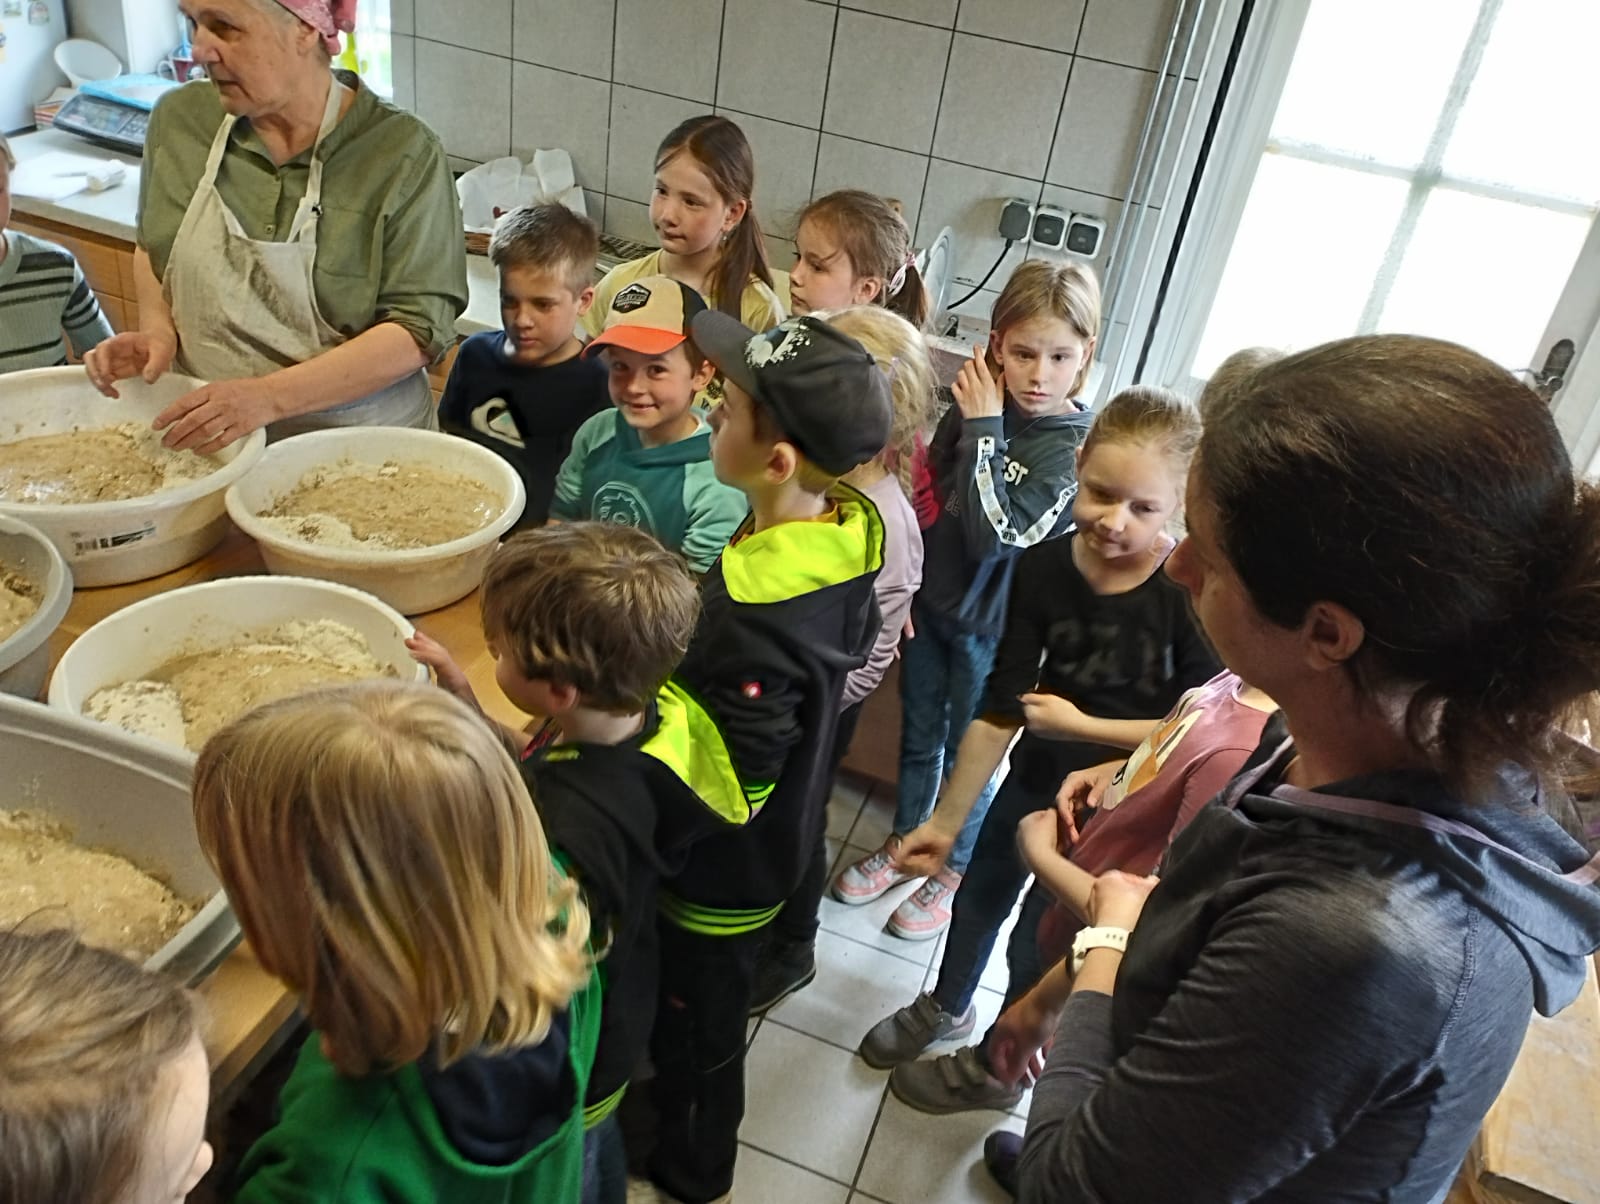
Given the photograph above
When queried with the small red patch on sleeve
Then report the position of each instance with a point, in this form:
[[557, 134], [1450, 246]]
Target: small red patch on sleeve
[[751, 690]]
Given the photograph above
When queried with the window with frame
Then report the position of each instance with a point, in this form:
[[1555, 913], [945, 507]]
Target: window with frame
[[1430, 168]]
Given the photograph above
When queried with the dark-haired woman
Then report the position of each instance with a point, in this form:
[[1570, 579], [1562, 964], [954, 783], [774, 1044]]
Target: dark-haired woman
[[1329, 985]]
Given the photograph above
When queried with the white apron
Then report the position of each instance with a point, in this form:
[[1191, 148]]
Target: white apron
[[244, 307]]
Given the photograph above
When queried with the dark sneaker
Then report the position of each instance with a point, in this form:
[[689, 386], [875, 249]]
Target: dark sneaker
[[957, 1082], [784, 968], [903, 1036], [1001, 1150]]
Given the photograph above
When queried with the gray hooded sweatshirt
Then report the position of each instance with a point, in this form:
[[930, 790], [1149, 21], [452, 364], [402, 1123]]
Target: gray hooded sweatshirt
[[1321, 999]]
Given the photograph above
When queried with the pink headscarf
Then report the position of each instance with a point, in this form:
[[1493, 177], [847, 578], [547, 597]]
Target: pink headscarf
[[327, 17]]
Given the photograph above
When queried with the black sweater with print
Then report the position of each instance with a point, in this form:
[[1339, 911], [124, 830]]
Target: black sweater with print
[[1117, 656]]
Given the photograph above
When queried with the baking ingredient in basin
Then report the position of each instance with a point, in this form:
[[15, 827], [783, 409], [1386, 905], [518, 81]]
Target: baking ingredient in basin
[[48, 880], [190, 697], [101, 464], [386, 507], [19, 599]]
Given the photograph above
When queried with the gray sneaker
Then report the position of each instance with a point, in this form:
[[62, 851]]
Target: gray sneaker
[[957, 1082], [911, 1030]]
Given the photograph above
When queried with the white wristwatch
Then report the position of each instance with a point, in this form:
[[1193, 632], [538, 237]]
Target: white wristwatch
[[1097, 938]]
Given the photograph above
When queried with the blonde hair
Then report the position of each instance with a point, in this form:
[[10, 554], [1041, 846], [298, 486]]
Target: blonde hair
[[901, 352], [1146, 414], [7, 153], [548, 237], [386, 862], [85, 1039], [597, 606], [872, 235], [1040, 289]]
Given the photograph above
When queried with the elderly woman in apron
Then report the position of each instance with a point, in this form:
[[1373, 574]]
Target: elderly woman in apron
[[299, 239]]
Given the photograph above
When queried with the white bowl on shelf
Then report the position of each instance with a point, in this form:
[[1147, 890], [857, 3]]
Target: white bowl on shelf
[[85, 62], [25, 655], [412, 580], [110, 543], [139, 639]]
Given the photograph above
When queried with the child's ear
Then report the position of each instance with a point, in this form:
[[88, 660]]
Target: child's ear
[[783, 462], [1077, 460], [736, 212], [563, 697], [995, 342], [703, 375], [585, 300]]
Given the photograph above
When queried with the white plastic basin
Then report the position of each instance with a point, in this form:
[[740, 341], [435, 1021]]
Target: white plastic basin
[[109, 543], [412, 580], [25, 657], [140, 638], [129, 796]]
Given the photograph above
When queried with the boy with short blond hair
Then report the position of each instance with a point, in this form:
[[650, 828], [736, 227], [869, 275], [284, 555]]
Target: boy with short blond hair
[[523, 391], [43, 294], [586, 622], [787, 611]]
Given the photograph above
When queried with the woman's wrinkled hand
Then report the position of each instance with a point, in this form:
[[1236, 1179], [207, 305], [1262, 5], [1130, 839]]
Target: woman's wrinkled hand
[[209, 418]]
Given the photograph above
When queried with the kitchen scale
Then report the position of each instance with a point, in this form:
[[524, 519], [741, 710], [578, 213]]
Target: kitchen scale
[[114, 111]]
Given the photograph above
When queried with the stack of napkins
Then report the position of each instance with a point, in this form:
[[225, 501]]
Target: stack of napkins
[[493, 188]]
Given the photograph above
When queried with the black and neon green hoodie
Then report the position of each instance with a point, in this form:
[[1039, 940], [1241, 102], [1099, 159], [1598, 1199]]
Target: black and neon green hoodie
[[786, 614], [622, 816]]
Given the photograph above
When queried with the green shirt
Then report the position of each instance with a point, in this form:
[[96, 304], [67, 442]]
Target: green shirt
[[671, 491], [389, 242], [379, 1139]]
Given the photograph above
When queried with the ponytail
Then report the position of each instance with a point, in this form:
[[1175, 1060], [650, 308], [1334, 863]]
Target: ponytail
[[907, 295], [722, 151]]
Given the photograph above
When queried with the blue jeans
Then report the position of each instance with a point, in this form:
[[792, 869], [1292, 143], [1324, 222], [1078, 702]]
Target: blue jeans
[[943, 670], [988, 893], [605, 1164]]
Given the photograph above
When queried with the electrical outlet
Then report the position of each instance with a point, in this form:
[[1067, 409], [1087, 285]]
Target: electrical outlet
[[1050, 227], [1085, 233], [1016, 220]]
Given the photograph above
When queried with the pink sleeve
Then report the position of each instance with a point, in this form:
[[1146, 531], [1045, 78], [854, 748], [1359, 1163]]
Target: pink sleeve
[[1205, 779]]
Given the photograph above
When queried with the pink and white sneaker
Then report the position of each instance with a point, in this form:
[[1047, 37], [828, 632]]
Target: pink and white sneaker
[[926, 912], [870, 877]]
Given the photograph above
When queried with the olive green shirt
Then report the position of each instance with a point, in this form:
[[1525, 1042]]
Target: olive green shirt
[[389, 241]]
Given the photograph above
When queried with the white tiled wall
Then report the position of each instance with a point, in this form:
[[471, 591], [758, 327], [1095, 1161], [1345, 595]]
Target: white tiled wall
[[948, 105]]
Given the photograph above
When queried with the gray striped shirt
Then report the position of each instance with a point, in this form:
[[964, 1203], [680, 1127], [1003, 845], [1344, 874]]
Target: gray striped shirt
[[44, 301]]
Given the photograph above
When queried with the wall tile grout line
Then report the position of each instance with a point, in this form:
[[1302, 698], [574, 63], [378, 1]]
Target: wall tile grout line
[[822, 124], [949, 53], [611, 104], [1061, 109]]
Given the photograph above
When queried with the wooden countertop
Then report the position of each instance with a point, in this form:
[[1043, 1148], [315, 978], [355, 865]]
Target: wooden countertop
[[248, 1009]]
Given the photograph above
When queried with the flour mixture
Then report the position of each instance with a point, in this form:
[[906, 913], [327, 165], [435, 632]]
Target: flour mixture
[[190, 697], [19, 599], [106, 464], [105, 899], [391, 506]]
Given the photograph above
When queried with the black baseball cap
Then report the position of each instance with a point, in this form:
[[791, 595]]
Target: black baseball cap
[[824, 390]]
